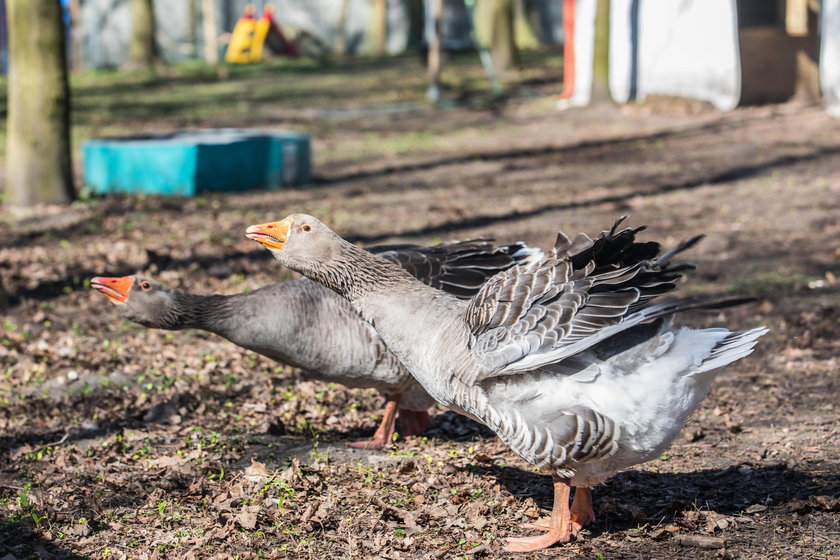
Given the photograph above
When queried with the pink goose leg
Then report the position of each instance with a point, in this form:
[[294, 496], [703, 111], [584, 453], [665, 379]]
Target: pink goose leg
[[385, 431], [581, 513], [559, 526]]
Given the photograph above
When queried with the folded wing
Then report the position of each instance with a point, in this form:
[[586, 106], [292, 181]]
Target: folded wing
[[582, 292]]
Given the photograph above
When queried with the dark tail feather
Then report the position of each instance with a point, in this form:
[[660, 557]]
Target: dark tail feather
[[663, 259]]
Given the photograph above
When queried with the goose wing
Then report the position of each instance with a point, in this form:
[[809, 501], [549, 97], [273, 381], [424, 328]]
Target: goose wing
[[459, 268], [584, 291]]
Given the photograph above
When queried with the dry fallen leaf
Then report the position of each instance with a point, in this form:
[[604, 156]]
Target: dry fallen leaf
[[256, 471]]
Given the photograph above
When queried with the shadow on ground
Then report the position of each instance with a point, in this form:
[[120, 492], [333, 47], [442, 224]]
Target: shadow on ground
[[17, 540], [633, 497], [230, 263]]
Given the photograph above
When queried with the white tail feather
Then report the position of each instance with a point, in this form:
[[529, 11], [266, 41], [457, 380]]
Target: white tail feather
[[734, 347]]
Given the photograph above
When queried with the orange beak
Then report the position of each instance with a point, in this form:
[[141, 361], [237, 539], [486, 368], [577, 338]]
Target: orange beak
[[115, 289], [272, 235]]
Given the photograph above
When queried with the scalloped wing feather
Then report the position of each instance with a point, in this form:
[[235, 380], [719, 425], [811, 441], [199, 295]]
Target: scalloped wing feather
[[531, 316]]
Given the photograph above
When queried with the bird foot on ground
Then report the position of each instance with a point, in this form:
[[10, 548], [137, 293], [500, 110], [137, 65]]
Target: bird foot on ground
[[544, 524], [375, 443], [541, 524], [581, 513], [539, 542], [579, 522]]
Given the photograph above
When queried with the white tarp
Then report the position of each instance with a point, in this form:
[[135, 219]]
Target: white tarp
[[687, 48], [830, 56]]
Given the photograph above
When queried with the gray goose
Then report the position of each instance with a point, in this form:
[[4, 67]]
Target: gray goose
[[305, 325], [568, 359]]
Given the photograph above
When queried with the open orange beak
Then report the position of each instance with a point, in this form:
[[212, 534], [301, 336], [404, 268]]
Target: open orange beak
[[272, 235], [115, 289]]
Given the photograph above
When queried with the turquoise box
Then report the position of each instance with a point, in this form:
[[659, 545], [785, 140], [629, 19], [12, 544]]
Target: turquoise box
[[191, 162]]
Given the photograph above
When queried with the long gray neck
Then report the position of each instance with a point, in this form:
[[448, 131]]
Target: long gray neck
[[353, 272], [192, 311]]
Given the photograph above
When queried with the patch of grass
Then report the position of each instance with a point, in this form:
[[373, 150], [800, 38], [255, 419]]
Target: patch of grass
[[307, 95]]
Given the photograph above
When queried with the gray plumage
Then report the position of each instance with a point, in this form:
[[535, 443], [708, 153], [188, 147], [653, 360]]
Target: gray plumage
[[530, 355], [305, 325]]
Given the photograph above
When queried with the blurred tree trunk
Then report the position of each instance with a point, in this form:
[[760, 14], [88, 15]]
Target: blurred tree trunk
[[601, 56], [210, 31], [339, 45], [379, 26], [525, 24], [38, 164], [497, 18], [142, 51], [192, 24]]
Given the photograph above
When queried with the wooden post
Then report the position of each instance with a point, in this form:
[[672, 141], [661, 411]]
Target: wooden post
[[38, 163]]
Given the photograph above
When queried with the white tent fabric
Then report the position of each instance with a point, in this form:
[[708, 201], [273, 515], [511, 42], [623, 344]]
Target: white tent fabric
[[830, 56], [624, 50], [687, 48]]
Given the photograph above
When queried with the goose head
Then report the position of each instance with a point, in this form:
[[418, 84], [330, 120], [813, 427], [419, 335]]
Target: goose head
[[138, 299], [299, 241]]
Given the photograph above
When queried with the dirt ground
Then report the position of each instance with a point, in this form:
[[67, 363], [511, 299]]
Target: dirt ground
[[122, 442]]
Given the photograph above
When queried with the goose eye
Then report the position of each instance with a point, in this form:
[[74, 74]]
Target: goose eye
[[146, 286], [306, 227]]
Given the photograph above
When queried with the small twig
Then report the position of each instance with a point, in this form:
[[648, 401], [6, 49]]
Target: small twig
[[700, 541], [53, 444], [11, 487]]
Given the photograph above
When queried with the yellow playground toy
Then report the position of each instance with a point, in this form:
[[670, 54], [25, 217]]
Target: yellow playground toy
[[250, 36]]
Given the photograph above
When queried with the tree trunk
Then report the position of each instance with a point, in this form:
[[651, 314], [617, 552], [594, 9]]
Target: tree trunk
[[525, 25], [38, 164], [142, 51], [498, 20], [210, 32], [339, 45], [192, 24], [379, 26], [601, 56]]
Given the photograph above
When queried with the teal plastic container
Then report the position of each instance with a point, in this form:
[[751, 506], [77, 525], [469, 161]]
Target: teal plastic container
[[191, 162]]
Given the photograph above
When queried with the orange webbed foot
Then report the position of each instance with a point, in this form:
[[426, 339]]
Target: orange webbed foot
[[538, 542], [558, 526]]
